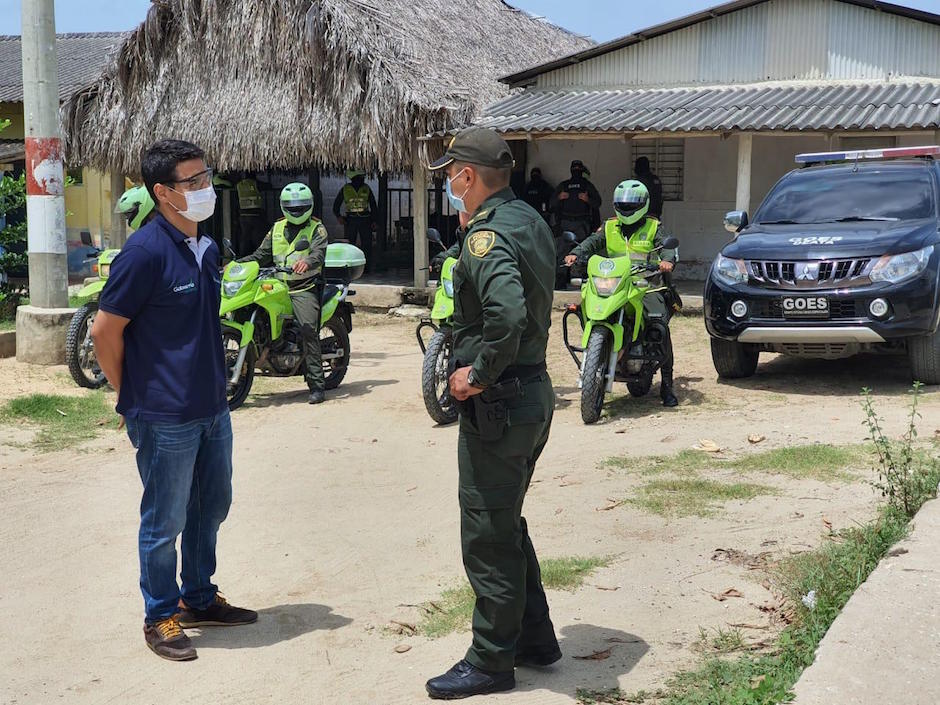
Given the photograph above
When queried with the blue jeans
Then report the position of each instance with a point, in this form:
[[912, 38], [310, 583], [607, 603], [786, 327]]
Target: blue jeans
[[186, 470]]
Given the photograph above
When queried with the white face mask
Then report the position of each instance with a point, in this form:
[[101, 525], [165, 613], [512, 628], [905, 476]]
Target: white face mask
[[200, 205]]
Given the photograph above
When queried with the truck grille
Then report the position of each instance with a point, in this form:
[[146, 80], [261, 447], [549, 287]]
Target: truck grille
[[839, 309], [810, 274]]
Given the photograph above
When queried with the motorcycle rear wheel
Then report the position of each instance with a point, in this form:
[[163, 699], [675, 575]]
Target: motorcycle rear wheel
[[594, 376], [334, 340], [434, 380]]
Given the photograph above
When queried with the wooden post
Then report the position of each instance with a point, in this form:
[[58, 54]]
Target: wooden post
[[745, 146], [382, 234], [419, 212], [118, 223]]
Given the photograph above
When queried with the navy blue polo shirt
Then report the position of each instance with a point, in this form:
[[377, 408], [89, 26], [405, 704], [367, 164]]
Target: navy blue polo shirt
[[174, 365]]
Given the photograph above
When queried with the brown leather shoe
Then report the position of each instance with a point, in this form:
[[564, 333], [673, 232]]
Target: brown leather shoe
[[218, 614], [167, 640]]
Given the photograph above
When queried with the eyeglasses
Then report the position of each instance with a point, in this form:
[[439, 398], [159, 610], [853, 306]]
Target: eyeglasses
[[196, 181]]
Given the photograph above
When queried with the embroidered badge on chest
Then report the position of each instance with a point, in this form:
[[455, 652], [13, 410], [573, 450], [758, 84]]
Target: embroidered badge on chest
[[481, 242]]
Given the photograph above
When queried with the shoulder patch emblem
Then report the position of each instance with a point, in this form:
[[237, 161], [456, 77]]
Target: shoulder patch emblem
[[481, 242]]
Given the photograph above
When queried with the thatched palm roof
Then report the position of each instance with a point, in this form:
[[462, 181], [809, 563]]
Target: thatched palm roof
[[291, 83]]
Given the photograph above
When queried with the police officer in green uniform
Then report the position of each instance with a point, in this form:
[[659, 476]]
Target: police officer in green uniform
[[502, 312], [359, 221], [278, 249], [633, 231]]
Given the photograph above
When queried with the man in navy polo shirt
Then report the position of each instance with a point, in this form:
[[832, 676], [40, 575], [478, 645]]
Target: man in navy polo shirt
[[159, 342]]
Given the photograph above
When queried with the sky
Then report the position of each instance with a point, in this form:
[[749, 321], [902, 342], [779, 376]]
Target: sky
[[599, 19]]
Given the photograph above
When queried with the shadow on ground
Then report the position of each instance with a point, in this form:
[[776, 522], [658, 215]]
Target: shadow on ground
[[349, 390], [573, 673], [274, 625], [884, 374]]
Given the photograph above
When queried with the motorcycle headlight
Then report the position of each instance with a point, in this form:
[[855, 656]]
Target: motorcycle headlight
[[897, 268], [104, 270], [448, 287], [729, 270], [605, 286], [229, 289]]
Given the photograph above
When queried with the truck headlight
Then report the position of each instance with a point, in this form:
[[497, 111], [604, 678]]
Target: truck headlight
[[897, 268], [229, 289], [729, 270], [448, 287], [605, 286]]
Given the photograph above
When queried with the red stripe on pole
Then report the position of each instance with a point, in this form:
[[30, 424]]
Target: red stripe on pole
[[45, 174]]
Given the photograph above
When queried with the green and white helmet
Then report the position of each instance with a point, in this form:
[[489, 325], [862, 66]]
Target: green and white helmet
[[631, 201], [297, 203], [136, 205]]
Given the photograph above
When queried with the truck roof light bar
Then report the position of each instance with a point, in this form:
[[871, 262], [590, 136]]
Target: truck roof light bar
[[930, 152]]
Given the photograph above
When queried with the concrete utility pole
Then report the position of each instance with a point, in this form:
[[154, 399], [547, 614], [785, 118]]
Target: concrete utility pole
[[39, 326], [419, 213]]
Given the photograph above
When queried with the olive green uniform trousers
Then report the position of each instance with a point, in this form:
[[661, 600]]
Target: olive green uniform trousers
[[307, 312], [511, 610]]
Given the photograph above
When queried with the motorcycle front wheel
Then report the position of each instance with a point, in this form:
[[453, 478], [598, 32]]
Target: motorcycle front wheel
[[334, 350], [80, 350], [238, 392], [594, 376], [434, 379]]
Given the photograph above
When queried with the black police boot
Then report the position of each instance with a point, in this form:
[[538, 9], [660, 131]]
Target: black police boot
[[665, 390], [317, 396], [538, 656], [465, 679]]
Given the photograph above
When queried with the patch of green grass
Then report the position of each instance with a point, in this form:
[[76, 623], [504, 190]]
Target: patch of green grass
[[693, 496], [452, 612], [60, 421], [720, 641], [818, 462], [7, 324], [569, 573]]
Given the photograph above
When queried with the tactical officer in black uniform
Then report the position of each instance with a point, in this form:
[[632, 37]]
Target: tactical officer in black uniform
[[502, 312]]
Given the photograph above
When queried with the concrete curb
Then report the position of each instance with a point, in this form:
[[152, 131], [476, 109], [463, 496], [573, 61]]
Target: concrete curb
[[8, 343], [882, 648]]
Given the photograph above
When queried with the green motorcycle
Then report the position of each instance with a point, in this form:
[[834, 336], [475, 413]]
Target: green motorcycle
[[619, 342], [435, 380], [79, 348], [259, 331]]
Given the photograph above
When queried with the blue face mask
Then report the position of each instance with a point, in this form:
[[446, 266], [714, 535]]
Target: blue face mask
[[456, 201]]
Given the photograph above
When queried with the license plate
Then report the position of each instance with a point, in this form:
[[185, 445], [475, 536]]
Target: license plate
[[805, 307]]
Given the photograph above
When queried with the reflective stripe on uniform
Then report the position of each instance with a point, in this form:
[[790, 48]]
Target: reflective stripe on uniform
[[357, 202]]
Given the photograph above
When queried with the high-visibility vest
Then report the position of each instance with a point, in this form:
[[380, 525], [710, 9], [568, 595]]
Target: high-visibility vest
[[249, 197], [357, 202], [283, 253], [641, 242]]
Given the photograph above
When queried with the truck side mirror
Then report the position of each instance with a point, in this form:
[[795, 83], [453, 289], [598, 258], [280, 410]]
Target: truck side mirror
[[736, 221]]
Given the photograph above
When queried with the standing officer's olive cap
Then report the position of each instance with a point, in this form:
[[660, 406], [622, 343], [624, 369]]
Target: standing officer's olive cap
[[476, 145]]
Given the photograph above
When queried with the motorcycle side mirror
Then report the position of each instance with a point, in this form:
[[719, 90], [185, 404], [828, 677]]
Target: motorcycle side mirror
[[302, 245], [434, 236], [228, 246], [86, 238], [569, 236], [671, 243]]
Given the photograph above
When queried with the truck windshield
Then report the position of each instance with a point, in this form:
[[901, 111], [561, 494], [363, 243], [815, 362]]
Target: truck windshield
[[826, 197]]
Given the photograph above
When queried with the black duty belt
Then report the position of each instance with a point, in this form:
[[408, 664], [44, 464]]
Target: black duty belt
[[524, 373]]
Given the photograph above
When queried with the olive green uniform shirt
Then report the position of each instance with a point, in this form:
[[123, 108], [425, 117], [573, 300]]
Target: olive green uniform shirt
[[503, 286]]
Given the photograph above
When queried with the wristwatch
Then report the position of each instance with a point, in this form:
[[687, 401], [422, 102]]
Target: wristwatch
[[474, 382]]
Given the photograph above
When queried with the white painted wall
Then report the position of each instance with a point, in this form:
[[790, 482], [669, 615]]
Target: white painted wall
[[710, 181]]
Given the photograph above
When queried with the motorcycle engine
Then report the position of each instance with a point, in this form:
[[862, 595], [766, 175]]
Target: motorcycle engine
[[634, 366], [287, 353]]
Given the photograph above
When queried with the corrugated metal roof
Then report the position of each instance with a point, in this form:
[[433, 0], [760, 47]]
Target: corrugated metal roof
[[82, 58], [772, 106]]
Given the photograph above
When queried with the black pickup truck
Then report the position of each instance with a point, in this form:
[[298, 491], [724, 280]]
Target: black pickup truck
[[842, 257]]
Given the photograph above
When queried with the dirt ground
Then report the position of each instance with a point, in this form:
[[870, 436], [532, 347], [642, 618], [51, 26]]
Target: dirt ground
[[345, 514]]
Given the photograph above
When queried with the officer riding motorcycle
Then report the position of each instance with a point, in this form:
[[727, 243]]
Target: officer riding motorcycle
[[278, 249], [632, 230]]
